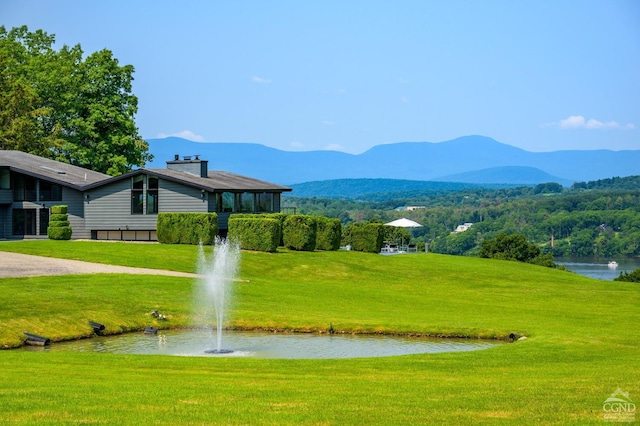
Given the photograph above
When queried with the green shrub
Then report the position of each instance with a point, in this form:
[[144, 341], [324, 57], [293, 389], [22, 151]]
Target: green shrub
[[299, 232], [328, 233], [396, 234], [62, 209], [255, 233], [367, 237], [59, 225], [280, 217], [187, 228], [515, 247], [61, 233], [631, 277]]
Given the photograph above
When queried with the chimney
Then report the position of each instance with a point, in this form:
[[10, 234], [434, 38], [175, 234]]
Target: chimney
[[194, 166]]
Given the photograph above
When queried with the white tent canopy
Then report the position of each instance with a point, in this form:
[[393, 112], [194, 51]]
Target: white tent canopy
[[404, 223]]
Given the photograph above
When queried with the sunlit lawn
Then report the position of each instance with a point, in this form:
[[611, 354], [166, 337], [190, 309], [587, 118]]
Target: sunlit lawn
[[583, 341]]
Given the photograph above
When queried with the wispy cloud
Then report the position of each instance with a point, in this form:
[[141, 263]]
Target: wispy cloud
[[328, 123], [334, 147], [260, 80], [404, 100], [185, 134], [296, 145], [579, 122]]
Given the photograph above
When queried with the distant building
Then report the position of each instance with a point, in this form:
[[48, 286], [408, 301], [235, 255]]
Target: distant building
[[124, 207], [409, 208], [462, 228]]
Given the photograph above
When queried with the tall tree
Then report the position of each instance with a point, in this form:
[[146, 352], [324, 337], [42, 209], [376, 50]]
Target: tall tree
[[59, 105]]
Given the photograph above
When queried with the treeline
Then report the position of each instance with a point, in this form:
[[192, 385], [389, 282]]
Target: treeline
[[595, 218]]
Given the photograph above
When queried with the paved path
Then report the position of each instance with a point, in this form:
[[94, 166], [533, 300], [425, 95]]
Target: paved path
[[26, 265]]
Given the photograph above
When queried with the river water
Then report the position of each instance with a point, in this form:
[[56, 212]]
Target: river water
[[597, 267]]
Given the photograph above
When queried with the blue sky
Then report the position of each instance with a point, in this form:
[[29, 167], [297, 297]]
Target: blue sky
[[348, 75]]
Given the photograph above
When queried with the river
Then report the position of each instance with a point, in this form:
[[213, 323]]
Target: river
[[597, 267]]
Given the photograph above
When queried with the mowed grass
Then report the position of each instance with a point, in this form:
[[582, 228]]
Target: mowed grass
[[583, 341]]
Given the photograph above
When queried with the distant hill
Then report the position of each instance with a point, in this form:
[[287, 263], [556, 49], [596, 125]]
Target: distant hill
[[361, 189], [513, 174], [419, 161]]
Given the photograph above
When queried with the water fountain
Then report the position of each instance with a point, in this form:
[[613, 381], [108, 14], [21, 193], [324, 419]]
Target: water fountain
[[216, 277]]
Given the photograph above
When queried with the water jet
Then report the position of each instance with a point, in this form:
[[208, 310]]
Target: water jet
[[216, 277]]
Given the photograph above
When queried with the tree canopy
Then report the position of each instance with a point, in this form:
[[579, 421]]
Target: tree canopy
[[61, 105]]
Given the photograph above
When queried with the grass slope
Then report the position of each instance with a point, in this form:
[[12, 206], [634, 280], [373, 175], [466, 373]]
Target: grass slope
[[582, 345]]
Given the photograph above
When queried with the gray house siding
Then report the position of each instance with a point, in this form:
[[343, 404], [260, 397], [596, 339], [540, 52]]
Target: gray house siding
[[73, 199], [108, 209], [174, 197]]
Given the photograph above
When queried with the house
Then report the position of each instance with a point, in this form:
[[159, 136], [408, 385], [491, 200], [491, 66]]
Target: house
[[462, 228], [124, 207]]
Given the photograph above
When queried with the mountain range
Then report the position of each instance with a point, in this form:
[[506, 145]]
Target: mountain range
[[468, 159]]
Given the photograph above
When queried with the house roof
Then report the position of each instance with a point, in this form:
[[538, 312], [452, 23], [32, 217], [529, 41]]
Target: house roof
[[215, 181], [83, 179], [51, 170]]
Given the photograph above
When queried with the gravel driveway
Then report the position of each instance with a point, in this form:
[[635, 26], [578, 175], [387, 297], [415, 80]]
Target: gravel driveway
[[26, 265]]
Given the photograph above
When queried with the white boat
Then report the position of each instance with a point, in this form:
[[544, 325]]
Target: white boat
[[613, 264]]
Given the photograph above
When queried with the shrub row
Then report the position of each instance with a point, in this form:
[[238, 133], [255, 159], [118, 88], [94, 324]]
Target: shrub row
[[328, 234], [59, 225], [187, 228], [367, 237], [299, 233], [261, 234], [265, 232]]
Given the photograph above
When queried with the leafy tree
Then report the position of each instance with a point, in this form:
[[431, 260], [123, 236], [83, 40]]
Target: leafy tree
[[58, 105], [546, 188], [633, 277], [396, 234], [509, 247]]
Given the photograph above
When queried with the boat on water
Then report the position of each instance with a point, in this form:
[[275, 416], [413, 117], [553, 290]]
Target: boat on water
[[613, 264]]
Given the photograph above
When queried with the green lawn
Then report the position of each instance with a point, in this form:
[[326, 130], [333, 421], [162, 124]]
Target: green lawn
[[583, 341]]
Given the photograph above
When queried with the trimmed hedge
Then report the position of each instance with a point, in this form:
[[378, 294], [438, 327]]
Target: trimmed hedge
[[187, 228], [59, 225], [62, 209], [328, 234], [299, 232], [255, 233], [61, 233], [367, 237], [280, 217]]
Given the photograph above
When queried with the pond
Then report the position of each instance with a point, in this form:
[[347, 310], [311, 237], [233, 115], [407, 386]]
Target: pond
[[266, 345], [598, 267]]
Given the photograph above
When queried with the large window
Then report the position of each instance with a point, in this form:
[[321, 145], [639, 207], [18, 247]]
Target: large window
[[50, 191], [24, 188], [264, 202], [226, 202], [24, 222], [247, 202], [5, 179], [44, 221], [152, 195], [137, 194]]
